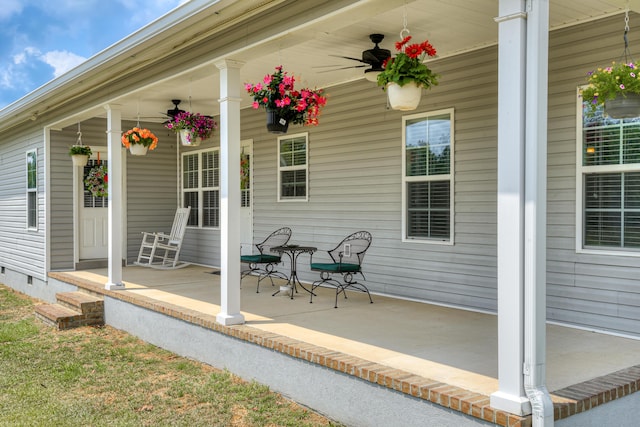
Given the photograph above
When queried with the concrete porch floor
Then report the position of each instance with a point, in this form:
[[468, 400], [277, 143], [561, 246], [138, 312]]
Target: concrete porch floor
[[450, 346]]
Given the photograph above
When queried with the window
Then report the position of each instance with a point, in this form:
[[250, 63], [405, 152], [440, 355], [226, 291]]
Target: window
[[201, 187], [293, 177], [427, 178], [608, 183], [32, 190]]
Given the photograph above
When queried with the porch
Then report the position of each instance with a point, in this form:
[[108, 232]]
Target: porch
[[442, 355]]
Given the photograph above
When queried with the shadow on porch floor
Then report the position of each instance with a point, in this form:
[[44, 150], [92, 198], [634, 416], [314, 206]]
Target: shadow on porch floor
[[448, 346]]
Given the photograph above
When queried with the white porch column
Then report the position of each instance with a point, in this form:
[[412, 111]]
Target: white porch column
[[114, 150], [522, 141], [230, 87], [511, 132]]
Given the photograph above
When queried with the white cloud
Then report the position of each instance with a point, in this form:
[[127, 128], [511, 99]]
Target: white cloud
[[10, 8], [23, 57], [61, 61]]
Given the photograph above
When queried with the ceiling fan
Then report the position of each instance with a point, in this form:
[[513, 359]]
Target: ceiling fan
[[175, 110], [373, 58]]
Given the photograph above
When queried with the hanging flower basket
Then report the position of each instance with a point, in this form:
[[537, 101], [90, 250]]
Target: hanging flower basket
[[138, 141], [192, 127], [617, 88], [138, 149], [623, 107], [405, 75], [275, 123], [404, 98], [189, 139], [97, 181], [283, 103], [79, 159], [79, 154]]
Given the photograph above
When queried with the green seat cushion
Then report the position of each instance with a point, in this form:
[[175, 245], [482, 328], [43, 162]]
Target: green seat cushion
[[260, 259], [335, 267]]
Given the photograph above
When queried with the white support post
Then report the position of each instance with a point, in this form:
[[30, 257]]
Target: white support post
[[230, 98], [114, 150], [511, 395]]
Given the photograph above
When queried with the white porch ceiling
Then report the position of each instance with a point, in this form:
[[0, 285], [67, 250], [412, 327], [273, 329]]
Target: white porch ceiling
[[452, 26]]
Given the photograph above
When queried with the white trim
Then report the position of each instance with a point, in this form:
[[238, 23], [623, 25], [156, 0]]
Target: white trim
[[47, 202], [296, 167], [578, 169], [450, 176]]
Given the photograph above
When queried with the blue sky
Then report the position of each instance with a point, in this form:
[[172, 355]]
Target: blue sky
[[42, 39]]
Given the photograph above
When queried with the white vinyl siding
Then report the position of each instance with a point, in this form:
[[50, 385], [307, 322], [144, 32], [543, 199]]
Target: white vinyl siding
[[609, 168], [201, 187], [32, 189], [293, 171], [428, 177]]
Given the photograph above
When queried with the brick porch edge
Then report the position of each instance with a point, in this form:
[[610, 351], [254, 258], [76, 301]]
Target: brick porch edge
[[567, 401]]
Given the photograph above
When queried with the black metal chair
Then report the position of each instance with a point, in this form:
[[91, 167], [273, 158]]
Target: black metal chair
[[347, 261], [264, 262]]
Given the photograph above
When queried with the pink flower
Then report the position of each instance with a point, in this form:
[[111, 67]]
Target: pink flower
[[255, 105], [288, 81]]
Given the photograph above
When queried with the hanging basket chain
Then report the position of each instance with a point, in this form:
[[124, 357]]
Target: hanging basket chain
[[405, 31], [79, 133], [626, 54]]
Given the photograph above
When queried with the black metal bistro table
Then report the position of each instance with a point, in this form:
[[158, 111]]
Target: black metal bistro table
[[294, 251]]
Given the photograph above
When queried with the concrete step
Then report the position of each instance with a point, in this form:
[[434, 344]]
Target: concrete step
[[74, 309]]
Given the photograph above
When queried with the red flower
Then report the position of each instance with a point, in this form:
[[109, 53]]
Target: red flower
[[413, 50], [426, 46], [404, 41]]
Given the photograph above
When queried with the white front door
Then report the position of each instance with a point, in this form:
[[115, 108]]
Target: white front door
[[246, 197], [93, 223]]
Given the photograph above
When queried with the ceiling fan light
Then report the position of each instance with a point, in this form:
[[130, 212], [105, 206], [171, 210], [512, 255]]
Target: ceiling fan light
[[372, 74]]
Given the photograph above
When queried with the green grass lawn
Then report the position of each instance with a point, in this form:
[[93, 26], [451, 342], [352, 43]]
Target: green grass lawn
[[104, 377]]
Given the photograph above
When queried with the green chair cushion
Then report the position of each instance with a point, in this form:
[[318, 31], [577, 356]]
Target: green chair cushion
[[335, 267], [260, 259]]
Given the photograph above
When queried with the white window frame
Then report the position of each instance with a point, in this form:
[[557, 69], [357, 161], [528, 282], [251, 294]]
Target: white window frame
[[304, 167], [580, 172], [200, 190], [31, 190], [442, 177]]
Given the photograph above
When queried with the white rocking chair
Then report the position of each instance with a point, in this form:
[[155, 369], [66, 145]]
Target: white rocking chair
[[165, 247]]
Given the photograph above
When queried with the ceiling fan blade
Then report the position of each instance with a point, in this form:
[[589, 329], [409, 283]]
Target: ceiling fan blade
[[328, 66], [342, 68], [370, 57], [349, 57]]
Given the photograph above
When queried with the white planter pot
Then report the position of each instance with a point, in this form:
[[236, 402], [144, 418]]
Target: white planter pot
[[138, 149], [185, 139], [404, 98], [79, 159]]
